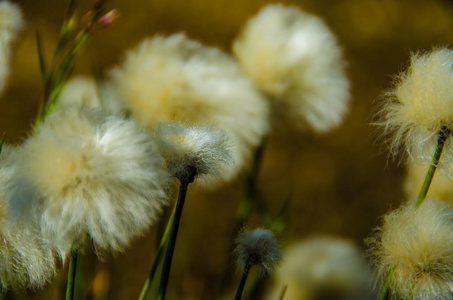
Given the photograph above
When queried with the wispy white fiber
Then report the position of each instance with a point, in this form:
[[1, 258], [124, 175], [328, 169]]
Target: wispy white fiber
[[257, 248], [418, 241], [85, 173], [323, 268], [85, 91], [11, 22], [177, 80], [202, 152], [25, 260], [419, 106], [294, 58]]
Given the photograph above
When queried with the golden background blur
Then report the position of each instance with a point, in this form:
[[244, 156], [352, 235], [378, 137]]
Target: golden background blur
[[339, 183]]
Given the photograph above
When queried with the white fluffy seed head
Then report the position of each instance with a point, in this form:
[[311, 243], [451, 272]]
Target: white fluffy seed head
[[418, 241], [86, 92], [11, 22], [202, 152], [87, 173], [419, 105], [322, 268], [257, 248], [177, 80], [25, 260], [294, 58]]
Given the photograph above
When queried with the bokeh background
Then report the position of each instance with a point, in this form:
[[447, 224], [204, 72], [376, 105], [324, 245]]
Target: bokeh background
[[339, 183]]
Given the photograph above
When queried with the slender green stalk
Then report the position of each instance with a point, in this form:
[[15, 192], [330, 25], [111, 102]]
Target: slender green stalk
[[71, 275], [385, 293], [242, 283], [443, 134], [172, 239], [3, 292], [157, 258], [442, 138], [282, 293], [243, 213], [246, 206]]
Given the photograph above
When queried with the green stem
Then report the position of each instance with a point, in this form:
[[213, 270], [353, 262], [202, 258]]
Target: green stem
[[245, 207], [242, 283], [3, 291], [71, 275], [172, 240], [147, 287], [442, 137], [282, 293], [385, 293], [243, 213], [443, 134]]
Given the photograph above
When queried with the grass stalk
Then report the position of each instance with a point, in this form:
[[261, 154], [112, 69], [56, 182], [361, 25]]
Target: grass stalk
[[241, 286], [443, 135], [71, 275], [157, 258], [172, 238], [442, 138], [283, 292]]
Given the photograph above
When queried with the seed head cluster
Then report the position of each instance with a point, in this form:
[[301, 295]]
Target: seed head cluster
[[418, 243], [85, 173], [294, 58], [257, 248]]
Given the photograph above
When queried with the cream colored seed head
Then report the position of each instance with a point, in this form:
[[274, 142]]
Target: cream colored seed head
[[418, 241], [11, 22], [177, 80], [25, 260], [420, 106], [201, 152], [85, 173], [86, 92], [322, 268], [294, 58]]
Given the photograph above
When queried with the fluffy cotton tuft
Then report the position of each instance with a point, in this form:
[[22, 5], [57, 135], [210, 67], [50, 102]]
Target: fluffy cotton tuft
[[322, 268], [11, 22], [420, 105], [441, 187], [257, 248], [294, 58], [419, 242], [176, 80], [25, 260], [86, 92], [194, 151], [87, 173]]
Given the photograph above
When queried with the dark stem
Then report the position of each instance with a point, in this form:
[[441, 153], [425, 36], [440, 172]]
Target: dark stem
[[3, 291], [160, 251], [242, 283], [244, 211], [173, 234], [71, 275]]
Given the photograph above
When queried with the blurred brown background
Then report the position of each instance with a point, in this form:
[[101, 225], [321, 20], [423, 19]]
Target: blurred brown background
[[339, 183]]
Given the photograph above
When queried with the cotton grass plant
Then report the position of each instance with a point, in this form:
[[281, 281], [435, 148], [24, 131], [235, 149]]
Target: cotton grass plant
[[255, 248], [178, 80], [415, 246], [411, 248], [96, 170], [322, 267], [11, 22]]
